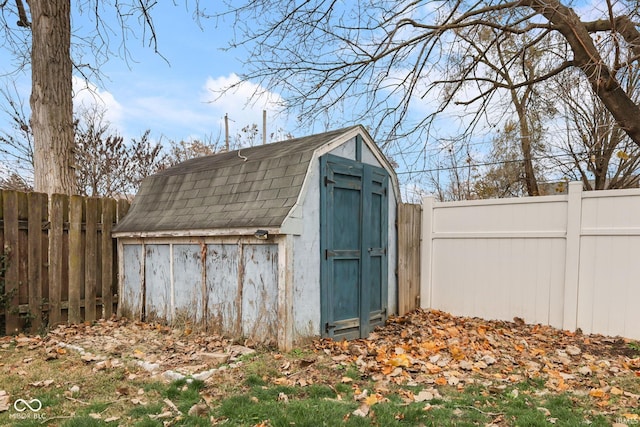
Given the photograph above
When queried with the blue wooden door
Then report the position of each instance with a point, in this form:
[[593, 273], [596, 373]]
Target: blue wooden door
[[354, 224]]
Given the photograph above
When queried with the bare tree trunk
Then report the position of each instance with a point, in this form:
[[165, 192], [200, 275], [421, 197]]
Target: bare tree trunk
[[51, 96], [530, 179], [525, 144], [588, 59]]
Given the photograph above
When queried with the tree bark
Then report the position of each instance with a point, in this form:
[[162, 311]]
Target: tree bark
[[588, 59], [51, 96]]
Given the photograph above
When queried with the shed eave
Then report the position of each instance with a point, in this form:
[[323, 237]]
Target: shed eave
[[239, 231]]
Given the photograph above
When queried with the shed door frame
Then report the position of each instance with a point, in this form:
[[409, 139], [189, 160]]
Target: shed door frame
[[367, 188]]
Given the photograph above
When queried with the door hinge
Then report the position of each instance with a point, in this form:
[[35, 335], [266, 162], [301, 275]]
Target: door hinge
[[328, 327], [328, 181], [328, 253]]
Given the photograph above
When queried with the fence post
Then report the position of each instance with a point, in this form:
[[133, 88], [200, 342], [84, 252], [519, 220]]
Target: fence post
[[572, 256], [426, 251]]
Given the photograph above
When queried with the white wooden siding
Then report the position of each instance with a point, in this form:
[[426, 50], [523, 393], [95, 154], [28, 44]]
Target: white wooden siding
[[567, 261], [229, 286]]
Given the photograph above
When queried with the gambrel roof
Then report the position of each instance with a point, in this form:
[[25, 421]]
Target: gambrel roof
[[251, 187]]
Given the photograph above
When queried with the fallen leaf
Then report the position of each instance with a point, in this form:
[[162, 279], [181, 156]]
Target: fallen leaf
[[198, 410], [282, 397], [371, 400], [88, 357], [282, 381], [544, 410], [362, 411], [165, 414], [423, 396], [400, 360], [44, 383], [616, 391], [4, 401], [360, 395]]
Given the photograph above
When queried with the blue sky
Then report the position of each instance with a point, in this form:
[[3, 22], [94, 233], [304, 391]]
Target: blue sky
[[170, 94]]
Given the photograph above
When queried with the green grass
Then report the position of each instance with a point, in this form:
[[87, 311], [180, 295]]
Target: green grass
[[254, 393]]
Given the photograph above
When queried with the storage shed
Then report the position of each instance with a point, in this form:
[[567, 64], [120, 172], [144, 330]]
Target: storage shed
[[274, 243]]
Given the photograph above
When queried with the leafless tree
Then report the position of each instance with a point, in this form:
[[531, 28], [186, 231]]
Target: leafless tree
[[387, 57], [39, 35], [599, 152], [179, 151], [105, 164], [503, 172], [16, 142]]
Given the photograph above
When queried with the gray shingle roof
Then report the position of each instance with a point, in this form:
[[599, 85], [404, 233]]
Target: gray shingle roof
[[250, 187]]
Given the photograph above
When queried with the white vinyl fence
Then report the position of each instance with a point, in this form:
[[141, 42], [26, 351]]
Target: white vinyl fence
[[570, 261]]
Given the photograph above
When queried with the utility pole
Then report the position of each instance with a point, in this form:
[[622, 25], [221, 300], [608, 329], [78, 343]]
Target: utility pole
[[264, 127], [226, 132]]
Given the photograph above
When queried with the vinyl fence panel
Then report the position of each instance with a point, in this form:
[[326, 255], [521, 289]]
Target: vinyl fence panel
[[565, 261]]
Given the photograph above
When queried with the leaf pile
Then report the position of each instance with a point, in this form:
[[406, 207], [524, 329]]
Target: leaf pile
[[156, 348], [433, 348]]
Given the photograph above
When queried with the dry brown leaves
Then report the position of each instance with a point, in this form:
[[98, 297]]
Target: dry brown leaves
[[156, 348], [433, 348]]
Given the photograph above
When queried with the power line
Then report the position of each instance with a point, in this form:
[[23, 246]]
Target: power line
[[475, 165]]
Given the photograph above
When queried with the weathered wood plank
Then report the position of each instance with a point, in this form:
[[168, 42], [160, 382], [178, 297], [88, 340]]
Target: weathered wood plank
[[408, 257], [76, 254], [35, 254], [91, 258], [108, 212], [56, 256], [11, 246], [123, 208], [22, 255]]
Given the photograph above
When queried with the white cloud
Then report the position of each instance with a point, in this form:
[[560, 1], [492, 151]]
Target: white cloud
[[87, 95], [243, 102]]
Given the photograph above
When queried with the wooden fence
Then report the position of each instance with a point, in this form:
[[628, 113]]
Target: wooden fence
[[409, 219], [60, 259]]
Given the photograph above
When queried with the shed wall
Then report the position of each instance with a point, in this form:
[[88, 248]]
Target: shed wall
[[228, 286]]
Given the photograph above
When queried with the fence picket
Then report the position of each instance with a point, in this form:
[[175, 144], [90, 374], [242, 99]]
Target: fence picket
[[408, 257], [11, 247], [36, 210], [108, 208], [91, 259], [76, 276], [56, 256]]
